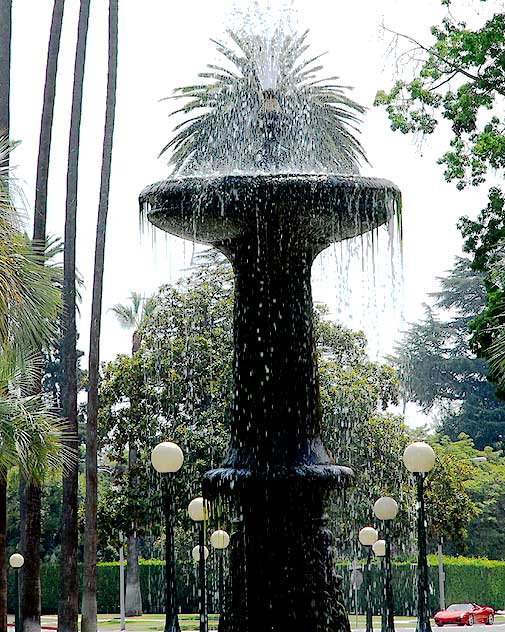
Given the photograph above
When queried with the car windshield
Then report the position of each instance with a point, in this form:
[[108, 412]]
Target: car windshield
[[460, 606]]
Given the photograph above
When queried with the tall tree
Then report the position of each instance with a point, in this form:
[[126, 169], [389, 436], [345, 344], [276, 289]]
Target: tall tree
[[89, 606], [131, 316], [456, 75], [67, 607], [438, 369], [30, 492], [5, 69]]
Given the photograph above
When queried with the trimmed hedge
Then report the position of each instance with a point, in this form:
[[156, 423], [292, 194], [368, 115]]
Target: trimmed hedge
[[466, 579], [475, 580]]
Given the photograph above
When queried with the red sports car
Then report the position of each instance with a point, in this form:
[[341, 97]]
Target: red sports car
[[464, 614]]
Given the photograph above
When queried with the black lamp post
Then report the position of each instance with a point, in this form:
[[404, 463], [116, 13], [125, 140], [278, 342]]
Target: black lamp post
[[16, 562], [220, 541], [368, 536], [198, 512], [167, 458], [419, 458], [386, 509]]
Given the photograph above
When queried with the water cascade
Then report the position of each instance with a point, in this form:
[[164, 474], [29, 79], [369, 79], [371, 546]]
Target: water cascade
[[271, 189]]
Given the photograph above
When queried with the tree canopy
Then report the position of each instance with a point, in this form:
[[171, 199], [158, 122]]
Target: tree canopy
[[438, 369]]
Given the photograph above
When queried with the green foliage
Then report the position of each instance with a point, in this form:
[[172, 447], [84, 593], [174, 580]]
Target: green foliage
[[449, 507], [461, 79], [267, 109], [438, 369]]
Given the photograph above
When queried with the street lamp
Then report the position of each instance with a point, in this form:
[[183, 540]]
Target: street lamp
[[197, 510], [419, 458], [386, 509], [368, 536], [220, 541], [16, 561], [167, 458]]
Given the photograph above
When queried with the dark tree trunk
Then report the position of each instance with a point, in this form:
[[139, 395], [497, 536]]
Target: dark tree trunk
[[67, 607], [89, 608], [46, 123], [30, 549], [5, 64], [133, 600], [3, 554], [30, 516]]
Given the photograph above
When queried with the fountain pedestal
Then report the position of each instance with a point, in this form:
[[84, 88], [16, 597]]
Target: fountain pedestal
[[277, 473]]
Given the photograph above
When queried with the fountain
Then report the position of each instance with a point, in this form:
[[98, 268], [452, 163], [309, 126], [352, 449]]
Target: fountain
[[273, 200]]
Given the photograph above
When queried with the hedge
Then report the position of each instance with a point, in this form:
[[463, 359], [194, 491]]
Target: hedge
[[474, 580], [467, 579]]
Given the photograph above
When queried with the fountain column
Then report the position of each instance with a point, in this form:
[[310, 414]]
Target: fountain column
[[278, 472]]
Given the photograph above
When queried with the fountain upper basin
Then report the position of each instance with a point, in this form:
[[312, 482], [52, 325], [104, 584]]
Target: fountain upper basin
[[322, 208]]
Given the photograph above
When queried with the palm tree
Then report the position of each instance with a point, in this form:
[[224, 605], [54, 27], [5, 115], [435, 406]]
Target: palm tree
[[266, 110], [67, 606], [30, 492], [31, 437], [132, 316], [89, 606]]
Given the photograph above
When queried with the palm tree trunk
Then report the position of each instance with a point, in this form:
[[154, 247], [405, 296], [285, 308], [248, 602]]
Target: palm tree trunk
[[89, 608], [46, 123], [30, 518], [3, 554], [133, 600], [67, 607], [5, 65], [30, 548]]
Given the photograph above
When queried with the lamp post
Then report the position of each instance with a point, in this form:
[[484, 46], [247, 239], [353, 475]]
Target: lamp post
[[220, 541], [198, 512], [386, 509], [368, 536], [16, 562], [419, 458], [122, 624], [167, 458]]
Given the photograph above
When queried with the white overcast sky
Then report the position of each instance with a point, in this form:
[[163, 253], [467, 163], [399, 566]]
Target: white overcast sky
[[164, 44]]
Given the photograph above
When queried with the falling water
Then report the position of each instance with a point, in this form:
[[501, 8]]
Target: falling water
[[265, 168]]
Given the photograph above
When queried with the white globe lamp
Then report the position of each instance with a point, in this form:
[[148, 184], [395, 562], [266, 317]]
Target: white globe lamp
[[167, 457], [379, 548], [385, 508], [197, 509], [16, 560], [220, 539], [195, 553], [419, 457], [368, 536]]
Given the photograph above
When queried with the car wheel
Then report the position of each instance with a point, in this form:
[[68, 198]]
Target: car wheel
[[490, 620], [440, 625], [470, 620]]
